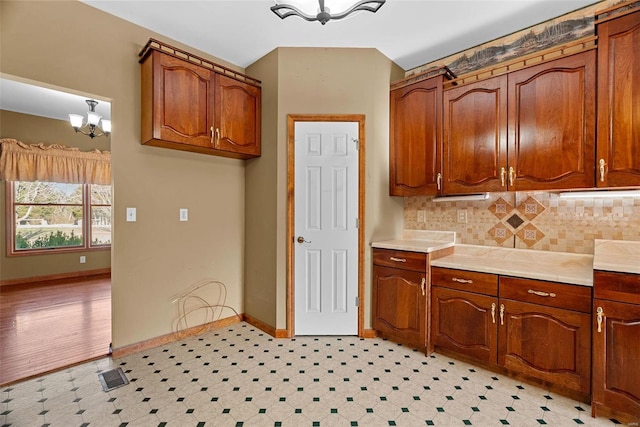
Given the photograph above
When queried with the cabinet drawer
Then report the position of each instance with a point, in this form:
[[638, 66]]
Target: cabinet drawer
[[470, 281], [623, 287], [405, 260], [570, 297]]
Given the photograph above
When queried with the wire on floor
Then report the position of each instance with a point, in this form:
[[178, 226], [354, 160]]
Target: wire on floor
[[189, 303]]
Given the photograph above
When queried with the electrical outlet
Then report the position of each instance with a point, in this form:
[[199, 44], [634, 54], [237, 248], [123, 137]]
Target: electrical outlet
[[462, 216], [422, 215], [184, 214], [83, 259]]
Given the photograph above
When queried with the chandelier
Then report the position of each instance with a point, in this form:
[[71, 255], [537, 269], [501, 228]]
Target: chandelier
[[306, 9], [92, 127]]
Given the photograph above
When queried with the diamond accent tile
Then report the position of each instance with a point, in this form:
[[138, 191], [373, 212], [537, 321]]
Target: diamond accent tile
[[515, 221], [501, 208], [500, 233], [530, 208], [530, 234]]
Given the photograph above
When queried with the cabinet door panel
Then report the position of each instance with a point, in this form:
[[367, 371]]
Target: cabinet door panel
[[552, 124], [183, 101], [475, 137], [546, 343], [465, 323], [619, 101], [415, 127], [237, 116], [400, 304], [616, 357]]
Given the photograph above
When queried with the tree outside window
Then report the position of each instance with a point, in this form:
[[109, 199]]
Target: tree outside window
[[50, 216]]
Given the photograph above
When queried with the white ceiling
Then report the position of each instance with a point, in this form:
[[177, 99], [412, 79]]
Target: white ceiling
[[28, 98], [409, 32]]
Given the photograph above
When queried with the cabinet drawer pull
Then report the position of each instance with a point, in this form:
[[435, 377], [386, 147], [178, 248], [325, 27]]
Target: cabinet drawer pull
[[397, 259], [599, 317], [542, 294], [455, 279], [493, 312], [603, 165], [422, 285], [502, 314]]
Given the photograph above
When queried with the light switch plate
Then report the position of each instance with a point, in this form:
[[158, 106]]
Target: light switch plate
[[184, 214], [131, 214]]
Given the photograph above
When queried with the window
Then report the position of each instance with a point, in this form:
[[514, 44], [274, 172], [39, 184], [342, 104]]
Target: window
[[56, 217]]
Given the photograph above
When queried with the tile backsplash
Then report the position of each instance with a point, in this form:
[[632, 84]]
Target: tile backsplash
[[537, 220]]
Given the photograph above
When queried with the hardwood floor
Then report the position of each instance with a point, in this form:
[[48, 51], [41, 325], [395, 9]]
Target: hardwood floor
[[50, 325]]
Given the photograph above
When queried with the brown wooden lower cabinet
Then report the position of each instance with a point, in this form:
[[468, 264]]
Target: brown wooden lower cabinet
[[531, 329], [616, 347], [400, 295], [547, 343], [465, 323], [400, 305], [616, 359]]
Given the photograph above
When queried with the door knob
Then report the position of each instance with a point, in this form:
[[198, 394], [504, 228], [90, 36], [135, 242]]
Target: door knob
[[301, 240]]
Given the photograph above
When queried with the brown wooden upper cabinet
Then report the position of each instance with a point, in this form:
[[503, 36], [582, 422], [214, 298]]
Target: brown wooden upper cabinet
[[618, 152], [198, 107], [475, 137], [532, 129], [415, 164]]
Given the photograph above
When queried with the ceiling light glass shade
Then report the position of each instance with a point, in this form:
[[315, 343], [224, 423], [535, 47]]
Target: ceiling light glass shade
[[321, 10], [76, 120], [93, 118], [92, 127]]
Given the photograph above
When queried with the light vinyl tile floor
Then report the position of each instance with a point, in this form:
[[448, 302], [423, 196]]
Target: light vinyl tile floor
[[240, 376]]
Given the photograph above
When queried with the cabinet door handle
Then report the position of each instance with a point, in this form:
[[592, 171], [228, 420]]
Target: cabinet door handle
[[217, 135], [422, 286], [439, 181], [397, 259], [493, 312], [512, 175], [212, 135], [599, 317], [455, 279], [542, 294], [503, 175], [502, 314], [602, 169]]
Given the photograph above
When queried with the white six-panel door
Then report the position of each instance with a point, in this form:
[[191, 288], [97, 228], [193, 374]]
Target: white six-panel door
[[325, 230]]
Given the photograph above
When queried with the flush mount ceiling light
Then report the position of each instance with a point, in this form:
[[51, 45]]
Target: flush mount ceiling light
[[92, 127], [309, 10]]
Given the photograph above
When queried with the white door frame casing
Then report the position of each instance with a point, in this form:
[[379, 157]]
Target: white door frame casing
[[291, 120]]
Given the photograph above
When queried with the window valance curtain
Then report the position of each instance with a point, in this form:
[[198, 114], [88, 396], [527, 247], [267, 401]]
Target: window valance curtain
[[53, 163]]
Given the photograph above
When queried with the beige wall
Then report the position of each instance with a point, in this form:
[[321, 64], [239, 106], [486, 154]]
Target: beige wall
[[72, 45], [33, 129], [317, 81]]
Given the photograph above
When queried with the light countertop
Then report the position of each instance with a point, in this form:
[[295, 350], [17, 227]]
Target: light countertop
[[609, 255], [419, 241], [540, 265], [617, 255]]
